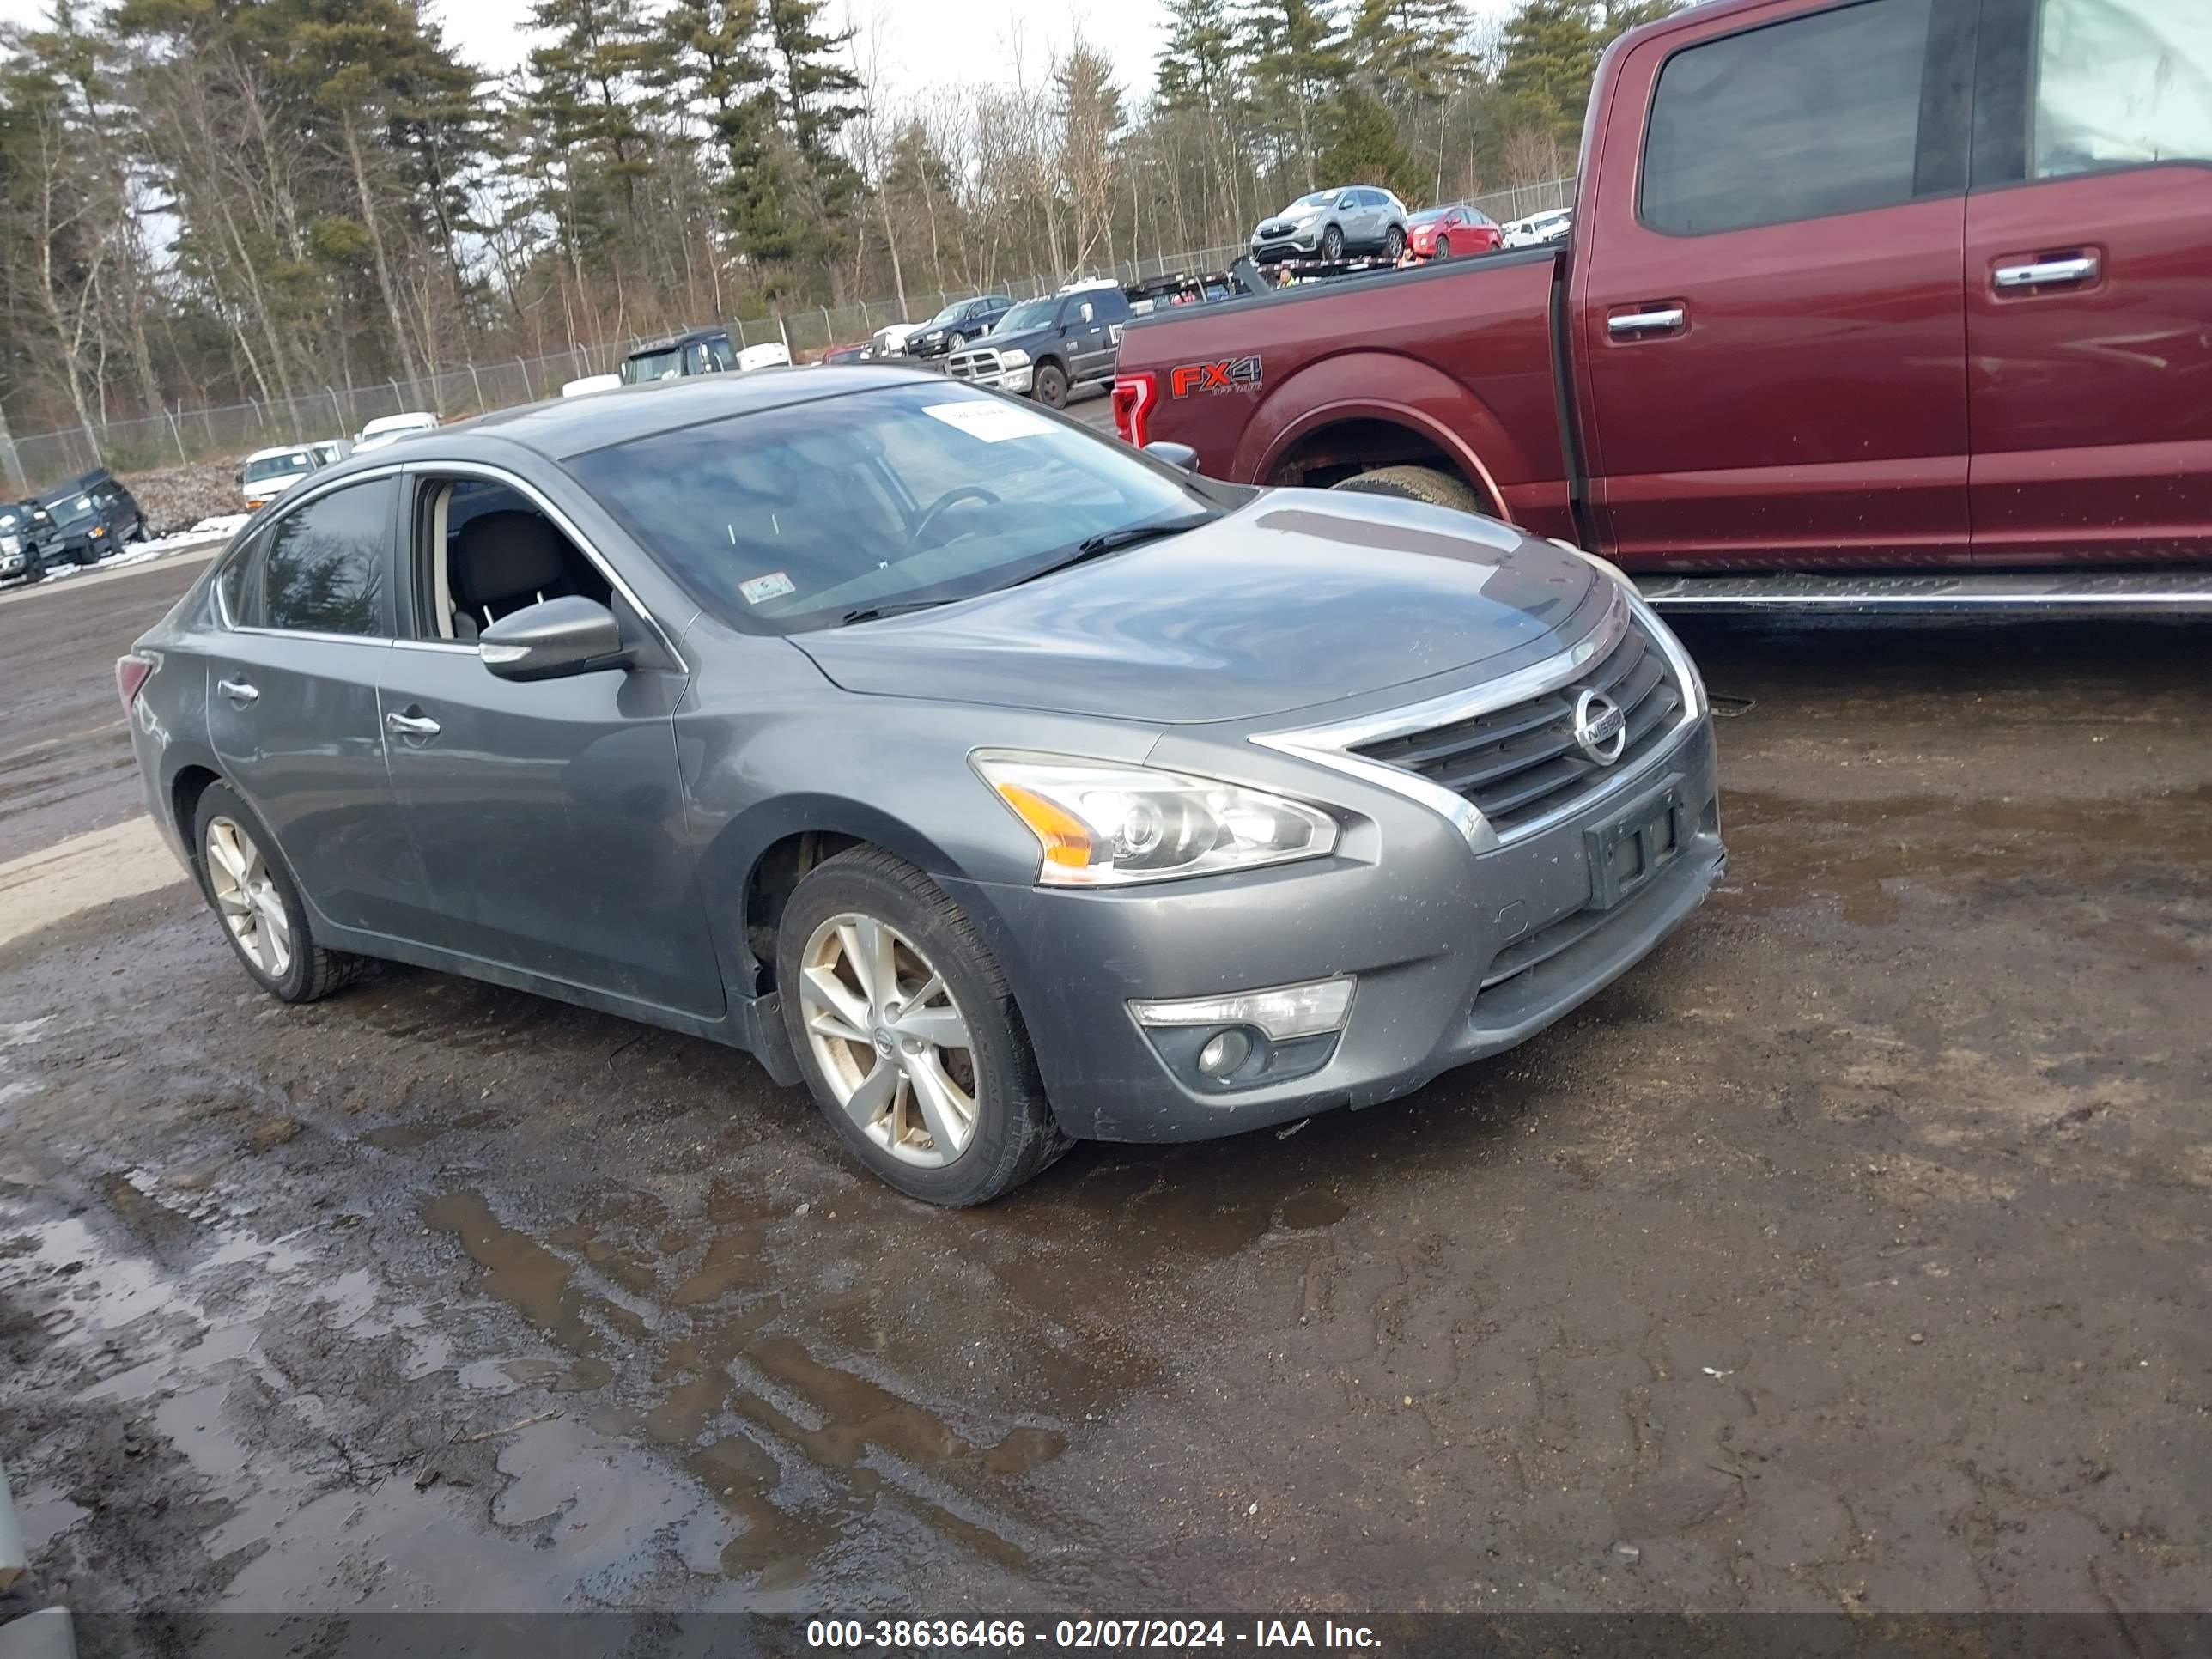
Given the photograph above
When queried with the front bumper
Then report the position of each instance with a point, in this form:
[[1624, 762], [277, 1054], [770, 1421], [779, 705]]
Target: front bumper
[[1458, 955], [1301, 244]]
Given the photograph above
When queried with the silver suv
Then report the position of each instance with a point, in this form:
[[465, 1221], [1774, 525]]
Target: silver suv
[[1331, 223]]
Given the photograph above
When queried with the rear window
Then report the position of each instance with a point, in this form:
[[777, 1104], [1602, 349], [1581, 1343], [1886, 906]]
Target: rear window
[[278, 466], [1815, 116]]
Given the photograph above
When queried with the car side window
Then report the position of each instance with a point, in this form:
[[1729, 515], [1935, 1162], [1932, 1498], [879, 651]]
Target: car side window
[[1812, 116], [323, 564], [234, 581], [2120, 83]]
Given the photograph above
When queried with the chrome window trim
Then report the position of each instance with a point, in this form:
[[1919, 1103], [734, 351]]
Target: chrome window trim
[[1331, 745], [566, 525], [380, 641]]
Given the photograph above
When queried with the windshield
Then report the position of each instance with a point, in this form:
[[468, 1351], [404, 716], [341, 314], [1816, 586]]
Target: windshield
[[75, 509], [1031, 313], [652, 366], [1319, 199], [952, 313], [1427, 215], [790, 520], [279, 466]]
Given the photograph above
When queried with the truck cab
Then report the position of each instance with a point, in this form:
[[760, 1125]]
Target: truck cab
[[694, 351]]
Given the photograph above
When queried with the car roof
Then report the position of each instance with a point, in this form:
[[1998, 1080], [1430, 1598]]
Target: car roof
[[562, 427], [670, 342], [280, 449], [393, 423]]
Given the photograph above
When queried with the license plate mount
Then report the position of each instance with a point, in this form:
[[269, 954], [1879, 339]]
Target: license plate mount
[[1634, 844]]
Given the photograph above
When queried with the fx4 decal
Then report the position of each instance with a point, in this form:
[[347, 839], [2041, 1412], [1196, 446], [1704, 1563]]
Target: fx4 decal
[[1184, 378]]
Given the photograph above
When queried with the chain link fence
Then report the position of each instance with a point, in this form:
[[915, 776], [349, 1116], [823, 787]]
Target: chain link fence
[[183, 436]]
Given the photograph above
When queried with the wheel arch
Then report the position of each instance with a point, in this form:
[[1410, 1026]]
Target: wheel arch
[[752, 867], [1326, 418]]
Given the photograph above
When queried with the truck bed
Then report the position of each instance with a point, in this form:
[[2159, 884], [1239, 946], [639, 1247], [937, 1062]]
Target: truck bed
[[1408, 347]]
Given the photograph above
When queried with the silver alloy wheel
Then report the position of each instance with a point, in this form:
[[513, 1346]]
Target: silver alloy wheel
[[890, 1039], [247, 897]]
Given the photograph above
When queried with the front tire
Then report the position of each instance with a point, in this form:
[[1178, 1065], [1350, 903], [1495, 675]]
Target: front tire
[[1444, 247], [1332, 244], [1050, 386], [1417, 483], [252, 892], [908, 1034]]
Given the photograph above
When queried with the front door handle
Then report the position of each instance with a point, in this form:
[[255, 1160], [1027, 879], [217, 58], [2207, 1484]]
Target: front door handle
[[243, 693], [1662, 321], [412, 726], [2041, 273]]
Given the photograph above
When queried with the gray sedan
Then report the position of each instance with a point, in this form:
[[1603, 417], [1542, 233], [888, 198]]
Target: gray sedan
[[1005, 785]]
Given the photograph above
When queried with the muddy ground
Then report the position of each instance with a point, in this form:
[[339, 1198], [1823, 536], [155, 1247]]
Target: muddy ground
[[1853, 1253]]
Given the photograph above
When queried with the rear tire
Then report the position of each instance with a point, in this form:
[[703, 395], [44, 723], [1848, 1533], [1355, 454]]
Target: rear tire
[[1418, 483], [286, 963], [1394, 244], [941, 966], [1050, 386]]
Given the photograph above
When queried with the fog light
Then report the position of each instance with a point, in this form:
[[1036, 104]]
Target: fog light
[[1316, 1007], [1223, 1054]]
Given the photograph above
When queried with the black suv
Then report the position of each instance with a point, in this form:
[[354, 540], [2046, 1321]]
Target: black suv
[[77, 524], [694, 351], [957, 324]]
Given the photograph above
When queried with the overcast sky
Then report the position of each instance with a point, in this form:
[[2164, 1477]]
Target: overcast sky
[[914, 43]]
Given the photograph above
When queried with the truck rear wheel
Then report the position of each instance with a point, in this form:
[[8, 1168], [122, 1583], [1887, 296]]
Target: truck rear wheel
[[1418, 483]]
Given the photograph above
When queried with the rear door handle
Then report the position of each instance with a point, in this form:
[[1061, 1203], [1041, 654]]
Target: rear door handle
[[1662, 321], [2040, 273], [242, 692], [412, 726]]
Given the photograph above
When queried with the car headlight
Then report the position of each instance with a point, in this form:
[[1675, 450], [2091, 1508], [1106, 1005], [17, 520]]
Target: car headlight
[[98, 531], [1014, 358], [1100, 823]]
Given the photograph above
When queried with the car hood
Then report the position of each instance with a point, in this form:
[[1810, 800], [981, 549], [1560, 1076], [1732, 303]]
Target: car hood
[[1300, 597]]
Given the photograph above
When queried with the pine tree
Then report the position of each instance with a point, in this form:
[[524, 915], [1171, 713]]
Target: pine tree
[[595, 89], [1364, 146], [1299, 57], [817, 91], [1548, 56]]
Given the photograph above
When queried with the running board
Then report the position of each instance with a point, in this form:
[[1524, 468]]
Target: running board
[[2181, 590]]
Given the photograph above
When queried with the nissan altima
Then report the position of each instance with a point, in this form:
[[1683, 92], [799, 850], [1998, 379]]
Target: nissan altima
[[1005, 785]]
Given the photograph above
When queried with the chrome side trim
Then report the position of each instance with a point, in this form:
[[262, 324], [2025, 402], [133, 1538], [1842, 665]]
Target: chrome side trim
[[461, 645], [379, 641]]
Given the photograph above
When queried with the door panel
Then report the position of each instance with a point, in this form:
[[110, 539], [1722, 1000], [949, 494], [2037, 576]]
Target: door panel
[[2088, 330], [1763, 386], [297, 732], [549, 818]]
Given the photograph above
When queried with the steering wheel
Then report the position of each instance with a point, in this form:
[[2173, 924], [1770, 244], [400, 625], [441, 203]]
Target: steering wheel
[[951, 497]]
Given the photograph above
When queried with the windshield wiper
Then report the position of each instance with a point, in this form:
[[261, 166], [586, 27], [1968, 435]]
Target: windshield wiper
[[895, 608], [1129, 535]]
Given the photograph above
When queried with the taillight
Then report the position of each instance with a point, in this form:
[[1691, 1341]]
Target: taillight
[[1133, 406], [130, 673]]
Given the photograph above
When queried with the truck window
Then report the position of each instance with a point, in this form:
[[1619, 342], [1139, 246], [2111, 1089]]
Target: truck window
[[2121, 83], [1812, 116]]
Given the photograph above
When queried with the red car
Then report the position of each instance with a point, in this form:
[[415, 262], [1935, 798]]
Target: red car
[[1438, 232], [854, 352]]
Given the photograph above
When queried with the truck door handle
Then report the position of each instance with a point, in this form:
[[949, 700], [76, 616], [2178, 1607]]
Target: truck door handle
[[242, 692], [1660, 321], [2039, 273], [412, 726]]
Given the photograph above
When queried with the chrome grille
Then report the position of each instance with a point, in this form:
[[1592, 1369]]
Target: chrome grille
[[973, 364], [1520, 763]]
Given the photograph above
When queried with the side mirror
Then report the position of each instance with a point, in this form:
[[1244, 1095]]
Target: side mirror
[[553, 639], [1181, 455]]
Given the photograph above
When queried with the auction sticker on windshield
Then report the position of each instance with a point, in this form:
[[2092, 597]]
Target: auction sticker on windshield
[[993, 422], [773, 585]]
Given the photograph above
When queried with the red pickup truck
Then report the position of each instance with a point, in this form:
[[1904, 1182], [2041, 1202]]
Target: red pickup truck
[[1853, 290]]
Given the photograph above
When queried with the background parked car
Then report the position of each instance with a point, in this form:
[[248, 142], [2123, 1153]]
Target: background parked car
[[1539, 229], [1049, 347], [956, 324], [1330, 223], [694, 351], [80, 523], [853, 351], [24, 527], [1442, 232], [390, 429], [268, 473], [589, 384], [889, 340]]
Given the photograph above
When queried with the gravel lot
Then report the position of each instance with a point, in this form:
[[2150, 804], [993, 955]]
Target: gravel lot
[[1851, 1254]]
